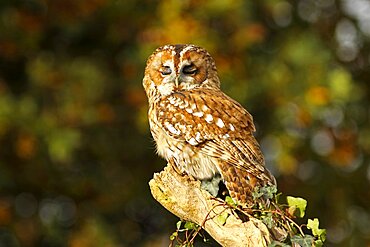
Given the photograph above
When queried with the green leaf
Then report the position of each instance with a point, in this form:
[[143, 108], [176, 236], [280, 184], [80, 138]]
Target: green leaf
[[278, 244], [178, 224], [230, 201], [257, 193], [190, 225], [268, 221], [319, 243], [173, 236], [268, 192], [297, 206], [221, 218], [316, 231], [305, 241]]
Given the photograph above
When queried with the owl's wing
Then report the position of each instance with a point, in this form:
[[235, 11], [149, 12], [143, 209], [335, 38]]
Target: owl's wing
[[218, 125]]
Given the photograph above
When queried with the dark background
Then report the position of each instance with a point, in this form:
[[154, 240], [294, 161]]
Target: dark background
[[75, 149]]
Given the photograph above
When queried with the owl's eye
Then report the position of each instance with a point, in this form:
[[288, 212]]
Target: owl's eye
[[189, 69], [166, 70]]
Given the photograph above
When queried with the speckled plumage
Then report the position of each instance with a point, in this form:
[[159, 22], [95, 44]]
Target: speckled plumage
[[197, 127]]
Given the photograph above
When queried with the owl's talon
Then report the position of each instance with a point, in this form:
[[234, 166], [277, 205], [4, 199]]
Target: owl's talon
[[175, 168]]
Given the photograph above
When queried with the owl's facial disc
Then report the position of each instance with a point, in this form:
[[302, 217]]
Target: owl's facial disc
[[183, 70], [181, 67]]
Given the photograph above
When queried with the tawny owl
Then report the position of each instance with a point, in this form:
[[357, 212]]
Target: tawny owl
[[197, 127]]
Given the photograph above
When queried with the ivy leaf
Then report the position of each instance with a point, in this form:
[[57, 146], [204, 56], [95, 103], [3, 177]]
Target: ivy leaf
[[316, 231], [230, 201], [297, 206], [269, 222], [190, 225], [178, 224], [268, 192], [278, 244], [319, 243], [305, 241], [257, 194], [221, 218], [173, 236]]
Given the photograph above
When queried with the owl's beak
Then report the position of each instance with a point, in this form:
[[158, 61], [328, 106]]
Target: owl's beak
[[177, 82]]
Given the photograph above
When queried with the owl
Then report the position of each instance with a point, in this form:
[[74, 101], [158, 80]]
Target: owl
[[197, 128]]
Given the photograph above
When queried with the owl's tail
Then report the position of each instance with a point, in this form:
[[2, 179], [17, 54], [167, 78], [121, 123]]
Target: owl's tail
[[242, 184]]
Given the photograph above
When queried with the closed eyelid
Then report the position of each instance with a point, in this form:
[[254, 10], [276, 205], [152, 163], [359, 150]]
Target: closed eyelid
[[189, 69], [165, 70]]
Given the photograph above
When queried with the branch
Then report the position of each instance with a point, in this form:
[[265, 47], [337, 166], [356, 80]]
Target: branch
[[183, 197]]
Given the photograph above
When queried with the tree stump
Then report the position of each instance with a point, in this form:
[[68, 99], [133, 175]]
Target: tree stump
[[182, 196]]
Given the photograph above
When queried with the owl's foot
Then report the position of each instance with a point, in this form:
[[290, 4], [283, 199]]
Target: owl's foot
[[172, 163]]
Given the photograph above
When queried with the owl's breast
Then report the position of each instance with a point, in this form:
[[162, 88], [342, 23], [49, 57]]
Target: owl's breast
[[185, 156]]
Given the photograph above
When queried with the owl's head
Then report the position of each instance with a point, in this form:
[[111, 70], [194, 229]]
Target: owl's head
[[176, 68]]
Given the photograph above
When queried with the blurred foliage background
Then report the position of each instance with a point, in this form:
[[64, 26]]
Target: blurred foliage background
[[75, 149]]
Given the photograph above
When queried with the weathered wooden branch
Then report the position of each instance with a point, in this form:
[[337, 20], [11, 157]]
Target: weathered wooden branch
[[183, 197]]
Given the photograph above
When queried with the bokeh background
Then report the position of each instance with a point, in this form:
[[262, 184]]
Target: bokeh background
[[75, 149]]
